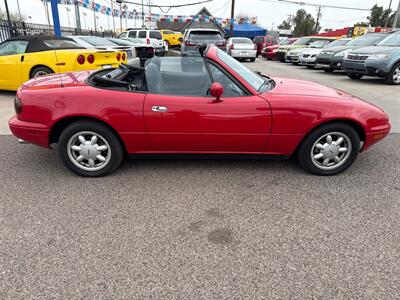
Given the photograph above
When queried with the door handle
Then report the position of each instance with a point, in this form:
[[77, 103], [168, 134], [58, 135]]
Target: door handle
[[159, 108]]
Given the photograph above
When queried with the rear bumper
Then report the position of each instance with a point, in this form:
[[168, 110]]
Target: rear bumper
[[243, 53], [34, 133]]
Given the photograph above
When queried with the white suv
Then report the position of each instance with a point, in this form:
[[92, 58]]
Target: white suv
[[148, 36]]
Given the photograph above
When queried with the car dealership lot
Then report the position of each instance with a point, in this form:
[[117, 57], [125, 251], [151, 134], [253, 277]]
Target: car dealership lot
[[203, 228]]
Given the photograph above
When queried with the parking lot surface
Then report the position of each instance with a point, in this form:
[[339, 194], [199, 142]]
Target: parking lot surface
[[199, 229], [203, 229]]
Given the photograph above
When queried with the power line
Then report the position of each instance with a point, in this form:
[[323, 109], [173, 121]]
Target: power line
[[317, 5], [169, 6]]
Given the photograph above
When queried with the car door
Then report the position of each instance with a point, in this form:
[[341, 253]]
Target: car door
[[11, 53], [180, 116]]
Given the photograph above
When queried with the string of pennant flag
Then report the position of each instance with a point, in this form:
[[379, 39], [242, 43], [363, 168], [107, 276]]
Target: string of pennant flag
[[89, 4]]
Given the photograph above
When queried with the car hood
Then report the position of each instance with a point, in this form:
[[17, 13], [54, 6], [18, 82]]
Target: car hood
[[338, 49], [376, 49], [287, 86], [312, 51], [291, 47]]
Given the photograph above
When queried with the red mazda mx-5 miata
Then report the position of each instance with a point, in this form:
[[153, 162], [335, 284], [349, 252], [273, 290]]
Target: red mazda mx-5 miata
[[210, 104]]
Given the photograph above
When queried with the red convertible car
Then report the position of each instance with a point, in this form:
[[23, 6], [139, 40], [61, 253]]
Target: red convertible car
[[210, 104]]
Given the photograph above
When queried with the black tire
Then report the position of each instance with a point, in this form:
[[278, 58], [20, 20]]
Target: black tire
[[41, 70], [295, 63], [116, 155], [355, 76], [269, 58], [328, 70], [310, 67], [390, 77], [305, 149], [252, 59]]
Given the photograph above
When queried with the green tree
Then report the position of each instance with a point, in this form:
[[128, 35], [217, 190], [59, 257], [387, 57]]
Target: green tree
[[361, 24], [304, 23], [285, 25], [380, 16]]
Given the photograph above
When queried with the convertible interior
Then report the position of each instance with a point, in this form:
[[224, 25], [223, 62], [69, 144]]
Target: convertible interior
[[172, 75]]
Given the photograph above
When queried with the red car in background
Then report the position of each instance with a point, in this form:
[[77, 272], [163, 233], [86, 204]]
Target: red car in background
[[265, 41], [270, 51], [209, 104]]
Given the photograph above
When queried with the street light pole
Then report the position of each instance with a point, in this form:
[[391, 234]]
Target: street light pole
[[396, 17], [94, 17], [387, 19], [143, 14], [84, 19], [19, 11], [68, 10]]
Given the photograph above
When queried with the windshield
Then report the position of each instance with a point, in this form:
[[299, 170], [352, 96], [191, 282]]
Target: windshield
[[367, 40], [338, 43], [392, 41], [318, 44], [205, 36], [302, 41], [252, 78], [97, 41]]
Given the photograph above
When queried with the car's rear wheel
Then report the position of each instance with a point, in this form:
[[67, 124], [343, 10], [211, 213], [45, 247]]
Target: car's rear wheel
[[394, 75], [355, 75], [90, 149], [310, 67], [41, 71], [329, 149], [252, 59], [328, 70], [269, 58]]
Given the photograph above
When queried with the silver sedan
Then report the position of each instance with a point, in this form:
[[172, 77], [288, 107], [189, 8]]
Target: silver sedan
[[241, 48]]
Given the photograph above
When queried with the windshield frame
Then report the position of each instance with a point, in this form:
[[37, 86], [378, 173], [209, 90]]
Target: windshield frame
[[354, 42], [239, 70]]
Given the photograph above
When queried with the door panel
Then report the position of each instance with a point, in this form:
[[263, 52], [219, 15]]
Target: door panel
[[199, 124], [10, 72]]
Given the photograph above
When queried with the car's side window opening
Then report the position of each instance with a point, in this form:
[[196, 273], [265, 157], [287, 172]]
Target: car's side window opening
[[132, 34], [181, 76], [231, 89], [13, 47]]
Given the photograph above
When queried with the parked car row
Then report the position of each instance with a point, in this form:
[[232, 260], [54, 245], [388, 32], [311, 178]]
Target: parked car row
[[373, 54]]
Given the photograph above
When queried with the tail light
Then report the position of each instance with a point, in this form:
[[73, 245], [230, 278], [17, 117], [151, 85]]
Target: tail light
[[190, 43], [232, 47], [148, 41], [90, 58], [17, 105], [80, 59], [123, 56], [119, 56]]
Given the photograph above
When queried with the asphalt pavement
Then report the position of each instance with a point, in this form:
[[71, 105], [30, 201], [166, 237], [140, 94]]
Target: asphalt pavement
[[202, 229], [199, 229]]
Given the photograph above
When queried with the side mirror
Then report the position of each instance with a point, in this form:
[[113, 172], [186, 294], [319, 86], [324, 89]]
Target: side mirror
[[216, 90]]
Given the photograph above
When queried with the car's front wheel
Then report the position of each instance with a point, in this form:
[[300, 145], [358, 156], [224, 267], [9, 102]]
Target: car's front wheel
[[394, 75], [90, 149], [355, 75], [329, 149], [252, 59]]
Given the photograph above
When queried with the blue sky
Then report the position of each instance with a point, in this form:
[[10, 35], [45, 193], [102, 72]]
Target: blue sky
[[268, 13]]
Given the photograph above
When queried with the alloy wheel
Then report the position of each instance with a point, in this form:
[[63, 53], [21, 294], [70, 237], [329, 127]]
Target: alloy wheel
[[396, 75], [89, 151], [331, 150]]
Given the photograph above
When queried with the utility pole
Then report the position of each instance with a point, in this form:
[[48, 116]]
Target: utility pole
[[396, 17], [387, 19], [112, 12], [318, 17], [8, 13], [232, 16], [77, 17]]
